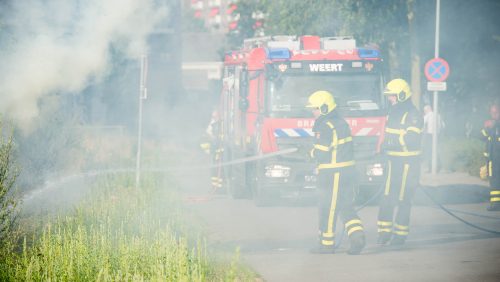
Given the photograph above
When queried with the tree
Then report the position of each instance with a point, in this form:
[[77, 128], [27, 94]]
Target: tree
[[246, 22], [296, 17], [8, 199]]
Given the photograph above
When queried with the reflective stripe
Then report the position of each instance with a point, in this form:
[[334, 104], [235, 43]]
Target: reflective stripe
[[490, 168], [329, 124], [384, 223], [403, 182], [327, 242], [344, 140], [497, 192], [403, 119], [354, 229], [401, 227], [328, 234], [351, 222], [333, 204], [334, 139], [336, 165], [486, 154], [384, 230], [414, 129], [402, 142], [334, 144], [321, 148], [401, 233], [394, 130], [403, 154], [496, 199], [293, 132], [484, 133], [388, 181]]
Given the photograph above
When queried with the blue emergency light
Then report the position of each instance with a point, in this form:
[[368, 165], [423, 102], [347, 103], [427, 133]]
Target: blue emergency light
[[278, 53], [368, 53]]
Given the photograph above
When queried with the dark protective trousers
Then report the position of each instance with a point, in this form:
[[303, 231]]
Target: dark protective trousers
[[402, 179], [336, 195]]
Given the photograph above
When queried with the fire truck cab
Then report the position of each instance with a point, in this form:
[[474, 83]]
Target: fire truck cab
[[266, 85]]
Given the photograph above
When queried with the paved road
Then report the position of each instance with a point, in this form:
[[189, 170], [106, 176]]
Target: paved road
[[275, 241]]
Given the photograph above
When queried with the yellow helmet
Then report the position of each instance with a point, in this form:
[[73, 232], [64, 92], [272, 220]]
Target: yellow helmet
[[322, 100], [398, 87]]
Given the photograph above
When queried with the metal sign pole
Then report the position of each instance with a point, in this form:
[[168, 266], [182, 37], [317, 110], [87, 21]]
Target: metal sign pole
[[435, 96], [142, 96]]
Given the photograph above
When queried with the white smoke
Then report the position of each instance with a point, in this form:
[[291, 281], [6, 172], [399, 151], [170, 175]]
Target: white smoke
[[59, 46]]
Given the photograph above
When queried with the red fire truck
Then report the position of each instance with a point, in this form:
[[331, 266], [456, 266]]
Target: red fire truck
[[266, 85]]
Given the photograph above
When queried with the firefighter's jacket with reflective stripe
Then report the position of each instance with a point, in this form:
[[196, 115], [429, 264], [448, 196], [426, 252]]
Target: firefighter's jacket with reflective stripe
[[333, 142], [403, 130], [492, 153]]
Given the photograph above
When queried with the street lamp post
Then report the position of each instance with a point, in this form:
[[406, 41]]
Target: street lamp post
[[142, 96]]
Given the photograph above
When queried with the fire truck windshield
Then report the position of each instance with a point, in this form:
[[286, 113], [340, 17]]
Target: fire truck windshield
[[355, 94]]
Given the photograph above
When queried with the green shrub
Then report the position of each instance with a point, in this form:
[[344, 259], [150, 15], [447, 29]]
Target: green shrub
[[462, 154]]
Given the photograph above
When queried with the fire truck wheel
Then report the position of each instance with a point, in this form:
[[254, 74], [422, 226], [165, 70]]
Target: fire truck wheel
[[237, 184]]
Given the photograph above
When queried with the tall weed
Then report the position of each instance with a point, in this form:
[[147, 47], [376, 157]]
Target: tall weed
[[120, 233]]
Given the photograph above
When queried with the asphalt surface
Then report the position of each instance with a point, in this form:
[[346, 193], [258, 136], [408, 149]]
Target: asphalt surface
[[275, 241]]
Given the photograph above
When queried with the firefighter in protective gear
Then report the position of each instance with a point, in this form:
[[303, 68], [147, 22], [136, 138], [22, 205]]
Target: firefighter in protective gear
[[491, 134], [333, 152], [402, 148], [215, 149]]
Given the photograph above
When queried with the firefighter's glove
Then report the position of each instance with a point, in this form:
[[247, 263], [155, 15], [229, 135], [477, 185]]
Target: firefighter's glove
[[483, 172]]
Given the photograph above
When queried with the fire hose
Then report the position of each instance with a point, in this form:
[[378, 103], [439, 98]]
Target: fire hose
[[438, 205], [459, 218]]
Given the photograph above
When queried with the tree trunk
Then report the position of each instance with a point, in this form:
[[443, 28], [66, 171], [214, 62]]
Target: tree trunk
[[414, 57]]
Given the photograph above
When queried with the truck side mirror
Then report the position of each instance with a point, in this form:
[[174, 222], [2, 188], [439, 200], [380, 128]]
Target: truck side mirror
[[272, 73], [244, 84], [244, 77], [243, 104]]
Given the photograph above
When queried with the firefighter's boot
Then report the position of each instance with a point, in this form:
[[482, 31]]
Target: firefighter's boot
[[494, 206], [398, 240], [322, 249], [356, 243], [383, 238]]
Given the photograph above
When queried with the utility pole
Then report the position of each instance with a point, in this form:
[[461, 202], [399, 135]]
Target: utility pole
[[143, 93]]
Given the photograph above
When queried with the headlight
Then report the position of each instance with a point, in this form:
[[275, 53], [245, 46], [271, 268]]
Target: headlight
[[310, 178], [374, 170], [277, 171]]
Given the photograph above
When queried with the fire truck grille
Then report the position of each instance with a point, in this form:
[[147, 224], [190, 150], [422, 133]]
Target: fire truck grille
[[364, 146], [303, 145]]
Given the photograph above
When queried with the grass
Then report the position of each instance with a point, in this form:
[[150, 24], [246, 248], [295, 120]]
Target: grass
[[119, 233]]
